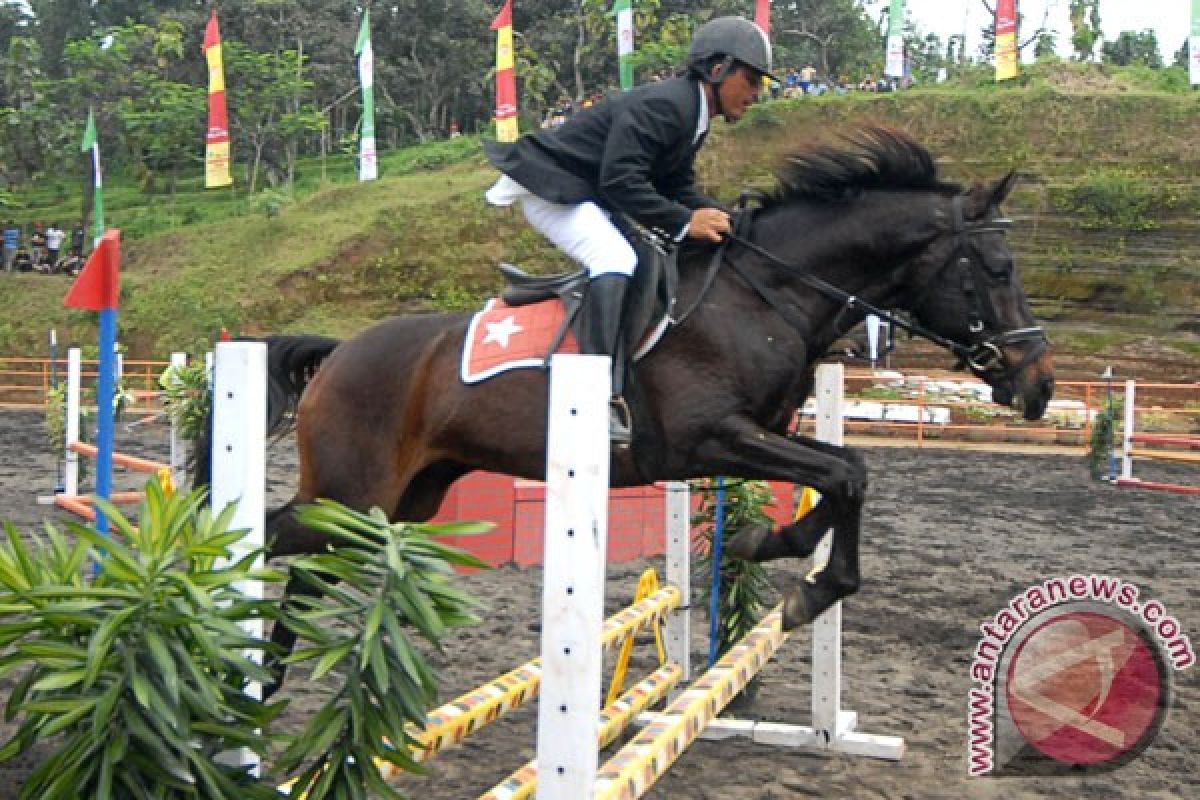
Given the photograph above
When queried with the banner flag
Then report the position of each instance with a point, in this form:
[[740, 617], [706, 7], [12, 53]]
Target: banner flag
[[624, 11], [894, 67], [216, 142], [1194, 44], [506, 76], [368, 164], [92, 144], [1006, 39]]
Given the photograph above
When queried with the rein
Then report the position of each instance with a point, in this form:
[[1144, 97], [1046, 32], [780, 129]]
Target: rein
[[982, 357]]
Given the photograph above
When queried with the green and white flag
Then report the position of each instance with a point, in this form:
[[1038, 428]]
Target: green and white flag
[[624, 11], [90, 142], [1194, 44], [894, 61], [368, 165]]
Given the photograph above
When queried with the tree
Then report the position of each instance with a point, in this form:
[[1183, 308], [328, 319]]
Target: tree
[[1085, 27], [1183, 55], [841, 39], [264, 116], [1130, 47]]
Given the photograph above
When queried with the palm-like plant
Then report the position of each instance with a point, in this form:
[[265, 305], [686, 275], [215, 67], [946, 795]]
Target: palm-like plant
[[141, 667]]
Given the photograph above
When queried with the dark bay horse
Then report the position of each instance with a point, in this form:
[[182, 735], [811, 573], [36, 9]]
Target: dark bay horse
[[386, 421]]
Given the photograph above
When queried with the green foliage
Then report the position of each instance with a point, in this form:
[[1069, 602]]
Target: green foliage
[[1107, 197], [135, 675], [395, 579], [140, 669], [744, 587], [1102, 441], [186, 398]]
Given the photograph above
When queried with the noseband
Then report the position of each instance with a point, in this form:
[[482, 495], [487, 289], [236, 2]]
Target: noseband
[[984, 356]]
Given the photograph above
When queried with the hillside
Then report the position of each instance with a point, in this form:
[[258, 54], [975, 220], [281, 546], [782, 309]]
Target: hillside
[[1106, 235]]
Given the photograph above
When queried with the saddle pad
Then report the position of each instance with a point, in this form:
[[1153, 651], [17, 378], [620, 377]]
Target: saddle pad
[[503, 337]]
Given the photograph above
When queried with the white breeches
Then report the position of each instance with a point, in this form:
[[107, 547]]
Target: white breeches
[[584, 231]]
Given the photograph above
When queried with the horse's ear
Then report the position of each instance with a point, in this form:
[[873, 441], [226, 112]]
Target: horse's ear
[[988, 195], [1002, 187]]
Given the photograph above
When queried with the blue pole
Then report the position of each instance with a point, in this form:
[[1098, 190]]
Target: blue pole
[[105, 389], [714, 597]]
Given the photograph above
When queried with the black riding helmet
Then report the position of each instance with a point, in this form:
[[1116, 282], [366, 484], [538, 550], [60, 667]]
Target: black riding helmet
[[727, 40]]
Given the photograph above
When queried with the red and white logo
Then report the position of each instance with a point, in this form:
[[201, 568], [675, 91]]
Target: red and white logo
[[1086, 687]]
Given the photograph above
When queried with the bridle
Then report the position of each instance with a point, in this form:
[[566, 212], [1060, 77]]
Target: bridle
[[983, 356]]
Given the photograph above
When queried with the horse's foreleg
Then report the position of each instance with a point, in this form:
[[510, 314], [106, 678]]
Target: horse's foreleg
[[839, 474], [759, 542]]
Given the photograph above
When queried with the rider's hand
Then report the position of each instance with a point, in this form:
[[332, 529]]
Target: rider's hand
[[708, 224]]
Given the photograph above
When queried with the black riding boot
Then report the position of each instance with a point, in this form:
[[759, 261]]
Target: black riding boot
[[601, 331]]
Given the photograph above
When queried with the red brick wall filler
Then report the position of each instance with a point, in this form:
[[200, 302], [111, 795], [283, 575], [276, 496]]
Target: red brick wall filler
[[636, 518]]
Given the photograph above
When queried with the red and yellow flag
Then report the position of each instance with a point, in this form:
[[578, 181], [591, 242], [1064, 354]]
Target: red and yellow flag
[[506, 76], [216, 142], [1006, 39]]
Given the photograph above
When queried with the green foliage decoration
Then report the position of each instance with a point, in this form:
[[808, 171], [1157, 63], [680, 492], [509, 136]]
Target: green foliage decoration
[[186, 397], [745, 589], [135, 675], [140, 668], [393, 578]]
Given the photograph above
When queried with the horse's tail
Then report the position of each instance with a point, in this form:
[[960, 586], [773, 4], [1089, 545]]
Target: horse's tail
[[292, 361]]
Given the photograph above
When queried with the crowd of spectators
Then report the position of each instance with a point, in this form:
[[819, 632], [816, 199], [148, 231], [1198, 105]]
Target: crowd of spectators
[[795, 82], [41, 250], [807, 81]]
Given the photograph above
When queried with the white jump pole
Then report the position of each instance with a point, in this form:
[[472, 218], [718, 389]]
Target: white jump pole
[[679, 574], [239, 459], [1127, 434], [74, 381], [577, 481]]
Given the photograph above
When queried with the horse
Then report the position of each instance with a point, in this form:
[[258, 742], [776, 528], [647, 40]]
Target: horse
[[863, 224]]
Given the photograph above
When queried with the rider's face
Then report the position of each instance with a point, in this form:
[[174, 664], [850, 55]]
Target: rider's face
[[739, 91]]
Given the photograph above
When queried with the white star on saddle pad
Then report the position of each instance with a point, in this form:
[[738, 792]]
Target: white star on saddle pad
[[500, 332]]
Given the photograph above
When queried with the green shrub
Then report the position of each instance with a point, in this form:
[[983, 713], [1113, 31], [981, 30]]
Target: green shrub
[[1107, 198]]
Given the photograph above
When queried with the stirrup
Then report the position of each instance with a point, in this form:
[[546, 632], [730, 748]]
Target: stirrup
[[620, 429]]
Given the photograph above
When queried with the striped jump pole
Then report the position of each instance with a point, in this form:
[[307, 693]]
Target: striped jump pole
[[1129, 452]]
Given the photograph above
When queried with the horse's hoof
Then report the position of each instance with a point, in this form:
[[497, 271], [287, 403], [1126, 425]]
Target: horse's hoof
[[795, 610], [746, 543]]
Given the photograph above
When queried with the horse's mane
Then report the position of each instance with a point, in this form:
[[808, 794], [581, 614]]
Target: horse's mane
[[870, 158]]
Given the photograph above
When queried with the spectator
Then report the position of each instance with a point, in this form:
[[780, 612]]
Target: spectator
[[54, 240], [454, 130], [37, 242], [12, 241], [807, 76], [791, 82], [77, 236], [22, 261]]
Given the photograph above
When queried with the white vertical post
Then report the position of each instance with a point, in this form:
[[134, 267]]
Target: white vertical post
[[827, 630], [239, 457], [1127, 433], [679, 574], [577, 480], [74, 380], [178, 459]]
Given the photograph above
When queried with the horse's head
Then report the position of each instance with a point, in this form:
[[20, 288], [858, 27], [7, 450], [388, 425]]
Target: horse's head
[[965, 288]]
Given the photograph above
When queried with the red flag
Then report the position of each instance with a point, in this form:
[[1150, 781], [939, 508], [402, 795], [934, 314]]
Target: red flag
[[504, 18], [762, 15], [96, 287]]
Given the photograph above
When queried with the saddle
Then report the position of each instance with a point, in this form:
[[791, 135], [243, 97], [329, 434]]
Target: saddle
[[649, 301]]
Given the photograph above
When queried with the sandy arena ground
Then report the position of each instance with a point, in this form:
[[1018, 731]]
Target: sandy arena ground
[[949, 538]]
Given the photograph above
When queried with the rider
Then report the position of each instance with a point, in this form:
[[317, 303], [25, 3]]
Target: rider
[[632, 153]]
